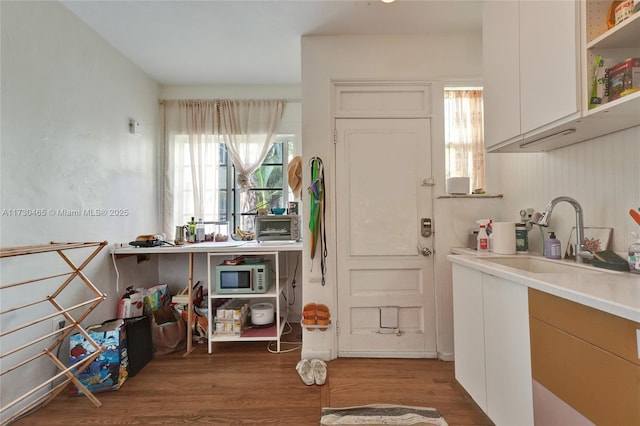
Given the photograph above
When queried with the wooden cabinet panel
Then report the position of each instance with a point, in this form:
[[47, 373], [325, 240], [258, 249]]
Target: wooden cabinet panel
[[603, 387], [609, 332]]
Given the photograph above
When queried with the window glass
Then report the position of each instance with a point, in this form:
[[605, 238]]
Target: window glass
[[464, 135], [223, 199]]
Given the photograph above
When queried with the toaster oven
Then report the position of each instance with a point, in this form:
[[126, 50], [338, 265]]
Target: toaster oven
[[277, 228]]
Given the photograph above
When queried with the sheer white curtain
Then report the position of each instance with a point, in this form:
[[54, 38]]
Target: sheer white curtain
[[464, 135], [249, 129], [190, 149]]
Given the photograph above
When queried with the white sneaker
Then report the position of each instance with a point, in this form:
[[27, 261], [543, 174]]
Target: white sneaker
[[305, 370], [319, 368]]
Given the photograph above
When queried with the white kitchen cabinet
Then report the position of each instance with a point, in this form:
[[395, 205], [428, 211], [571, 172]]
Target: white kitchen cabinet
[[549, 63], [538, 65], [468, 333], [501, 70], [492, 350], [507, 352], [531, 65]]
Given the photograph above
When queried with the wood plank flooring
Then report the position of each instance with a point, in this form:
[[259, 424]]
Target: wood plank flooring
[[243, 384]]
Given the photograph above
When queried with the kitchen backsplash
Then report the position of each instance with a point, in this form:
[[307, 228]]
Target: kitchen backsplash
[[602, 174]]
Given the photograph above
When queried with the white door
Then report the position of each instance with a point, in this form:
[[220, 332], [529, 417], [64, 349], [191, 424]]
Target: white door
[[386, 299]]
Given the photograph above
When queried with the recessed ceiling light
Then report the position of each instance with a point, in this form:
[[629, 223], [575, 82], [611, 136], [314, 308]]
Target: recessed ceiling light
[[388, 1]]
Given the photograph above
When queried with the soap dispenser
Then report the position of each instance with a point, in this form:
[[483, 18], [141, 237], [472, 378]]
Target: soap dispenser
[[552, 247]]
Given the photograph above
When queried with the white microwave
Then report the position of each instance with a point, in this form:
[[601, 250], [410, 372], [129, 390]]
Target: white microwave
[[243, 278]]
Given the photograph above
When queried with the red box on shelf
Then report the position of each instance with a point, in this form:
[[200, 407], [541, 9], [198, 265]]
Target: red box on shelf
[[623, 78]]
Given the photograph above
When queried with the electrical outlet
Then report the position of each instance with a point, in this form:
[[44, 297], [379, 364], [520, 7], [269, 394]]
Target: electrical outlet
[[57, 324]]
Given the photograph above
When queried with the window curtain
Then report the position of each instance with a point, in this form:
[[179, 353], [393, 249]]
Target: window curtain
[[464, 135], [191, 132], [249, 129]]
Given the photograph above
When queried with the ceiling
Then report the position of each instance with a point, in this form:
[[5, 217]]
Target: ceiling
[[218, 42]]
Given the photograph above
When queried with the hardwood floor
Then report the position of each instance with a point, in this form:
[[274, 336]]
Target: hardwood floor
[[242, 383]]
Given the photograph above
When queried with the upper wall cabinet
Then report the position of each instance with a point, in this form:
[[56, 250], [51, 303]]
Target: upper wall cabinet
[[539, 59]]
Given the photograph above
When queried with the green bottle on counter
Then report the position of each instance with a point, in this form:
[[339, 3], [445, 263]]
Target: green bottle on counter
[[192, 230]]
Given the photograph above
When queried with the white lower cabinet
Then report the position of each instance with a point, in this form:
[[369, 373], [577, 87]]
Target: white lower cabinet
[[492, 350]]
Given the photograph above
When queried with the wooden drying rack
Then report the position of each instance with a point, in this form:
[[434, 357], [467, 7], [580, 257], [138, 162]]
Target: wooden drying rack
[[73, 325]]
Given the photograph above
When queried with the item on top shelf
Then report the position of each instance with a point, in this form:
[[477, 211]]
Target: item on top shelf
[[600, 82], [623, 11], [611, 15], [624, 78]]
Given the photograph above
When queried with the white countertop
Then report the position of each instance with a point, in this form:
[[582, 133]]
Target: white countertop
[[230, 246], [617, 293]]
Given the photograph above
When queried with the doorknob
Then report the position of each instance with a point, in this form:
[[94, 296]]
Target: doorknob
[[425, 251]]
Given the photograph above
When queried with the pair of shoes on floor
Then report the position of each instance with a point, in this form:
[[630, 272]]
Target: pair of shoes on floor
[[314, 371]]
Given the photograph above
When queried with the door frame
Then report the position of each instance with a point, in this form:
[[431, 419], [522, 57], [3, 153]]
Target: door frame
[[423, 105]]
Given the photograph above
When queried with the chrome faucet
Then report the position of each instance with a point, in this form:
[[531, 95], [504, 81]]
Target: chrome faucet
[[581, 253]]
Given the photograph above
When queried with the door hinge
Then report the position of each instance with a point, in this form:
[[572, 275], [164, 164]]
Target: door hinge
[[337, 328], [335, 136]]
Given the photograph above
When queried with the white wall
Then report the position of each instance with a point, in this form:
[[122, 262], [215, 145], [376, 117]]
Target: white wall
[[427, 58], [67, 97]]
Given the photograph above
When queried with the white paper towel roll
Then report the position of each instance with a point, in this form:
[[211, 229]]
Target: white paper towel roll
[[504, 237]]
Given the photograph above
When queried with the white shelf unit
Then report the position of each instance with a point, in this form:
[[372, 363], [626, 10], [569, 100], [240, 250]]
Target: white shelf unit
[[615, 44], [273, 333]]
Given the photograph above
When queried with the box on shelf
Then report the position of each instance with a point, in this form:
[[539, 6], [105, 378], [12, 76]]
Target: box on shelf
[[623, 11], [624, 78], [600, 82], [231, 317]]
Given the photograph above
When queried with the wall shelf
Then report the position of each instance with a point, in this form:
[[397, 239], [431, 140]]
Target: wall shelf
[[469, 196], [40, 395]]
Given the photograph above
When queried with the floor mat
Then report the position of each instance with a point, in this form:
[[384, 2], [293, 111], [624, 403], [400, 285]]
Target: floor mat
[[382, 414]]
